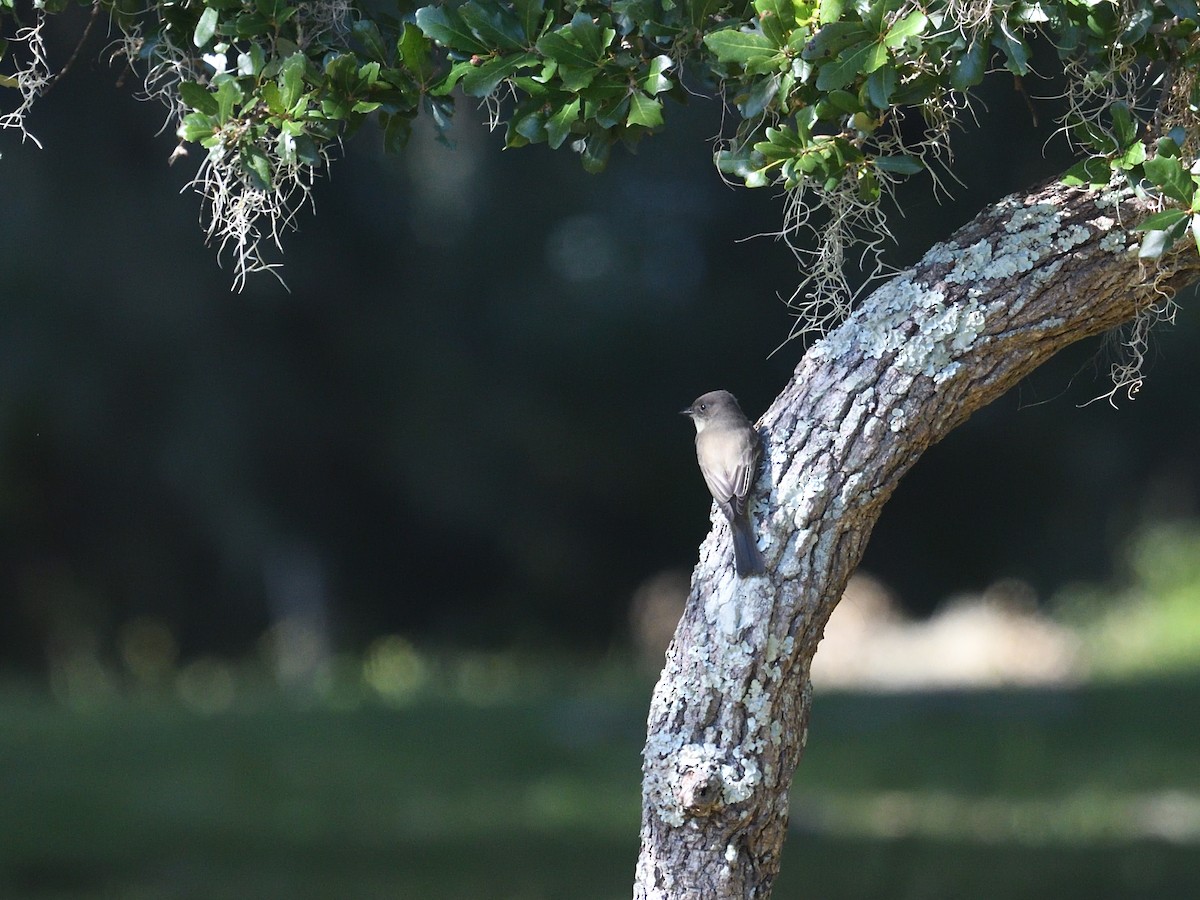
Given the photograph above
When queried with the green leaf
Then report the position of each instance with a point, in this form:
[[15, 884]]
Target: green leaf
[[252, 61], [562, 47], [1134, 155], [880, 86], [696, 12], [205, 28], [969, 68], [611, 113], [592, 38], [745, 48], [1140, 20], [495, 25], [455, 75], [1168, 174], [285, 147], [1168, 146], [367, 33], [1088, 134], [335, 108], [595, 152], [481, 80], [270, 95], [1123, 124], [1015, 50], [876, 57], [414, 52], [396, 133], [835, 37], [655, 82], [911, 25], [530, 15], [830, 11], [196, 126], [899, 165], [341, 71], [1156, 243], [574, 79], [369, 74], [228, 95], [875, 12], [528, 123], [250, 25], [762, 91], [844, 101], [257, 166], [558, 126], [291, 80], [1092, 171], [645, 111], [848, 65], [735, 162], [270, 9], [1162, 221], [805, 120], [775, 20], [198, 97], [780, 139], [443, 24], [307, 151], [757, 178]]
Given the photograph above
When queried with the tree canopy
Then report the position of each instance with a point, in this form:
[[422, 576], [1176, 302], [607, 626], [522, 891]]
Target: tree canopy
[[836, 101]]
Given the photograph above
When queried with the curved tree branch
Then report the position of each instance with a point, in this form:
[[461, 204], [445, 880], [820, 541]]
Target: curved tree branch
[[728, 721]]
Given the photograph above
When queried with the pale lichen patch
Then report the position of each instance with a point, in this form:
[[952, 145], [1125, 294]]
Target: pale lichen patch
[[1117, 242], [737, 773], [1072, 236], [968, 262], [741, 776]]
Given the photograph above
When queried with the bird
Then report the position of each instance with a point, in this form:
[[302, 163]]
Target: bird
[[728, 450]]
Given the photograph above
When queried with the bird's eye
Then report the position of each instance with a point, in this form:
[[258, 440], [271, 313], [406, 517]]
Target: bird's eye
[[703, 407]]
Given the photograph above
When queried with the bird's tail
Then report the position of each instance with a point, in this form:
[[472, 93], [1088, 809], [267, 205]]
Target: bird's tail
[[746, 558]]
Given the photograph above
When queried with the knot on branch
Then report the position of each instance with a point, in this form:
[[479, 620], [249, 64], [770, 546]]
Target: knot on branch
[[700, 791], [704, 779]]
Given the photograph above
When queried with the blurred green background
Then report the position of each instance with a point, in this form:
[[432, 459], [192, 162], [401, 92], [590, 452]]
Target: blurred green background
[[342, 591]]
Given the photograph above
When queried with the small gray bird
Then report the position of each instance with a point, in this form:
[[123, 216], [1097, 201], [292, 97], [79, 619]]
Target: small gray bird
[[727, 448]]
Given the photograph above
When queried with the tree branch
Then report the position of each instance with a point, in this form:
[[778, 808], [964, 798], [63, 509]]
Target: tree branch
[[729, 718]]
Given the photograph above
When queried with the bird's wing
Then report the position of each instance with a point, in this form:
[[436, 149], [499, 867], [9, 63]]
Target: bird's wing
[[730, 486], [722, 486]]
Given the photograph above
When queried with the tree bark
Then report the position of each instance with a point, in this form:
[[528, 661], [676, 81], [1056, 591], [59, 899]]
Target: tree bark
[[729, 718]]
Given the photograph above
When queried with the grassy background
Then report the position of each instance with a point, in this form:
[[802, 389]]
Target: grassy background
[[531, 790]]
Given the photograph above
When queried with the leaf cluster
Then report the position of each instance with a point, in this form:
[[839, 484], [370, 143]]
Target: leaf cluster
[[1124, 47], [276, 93], [814, 80], [821, 86], [590, 73]]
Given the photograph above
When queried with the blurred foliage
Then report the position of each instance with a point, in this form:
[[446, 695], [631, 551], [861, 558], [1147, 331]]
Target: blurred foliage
[[531, 790], [1150, 624]]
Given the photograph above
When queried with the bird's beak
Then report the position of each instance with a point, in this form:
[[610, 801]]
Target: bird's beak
[[686, 412]]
